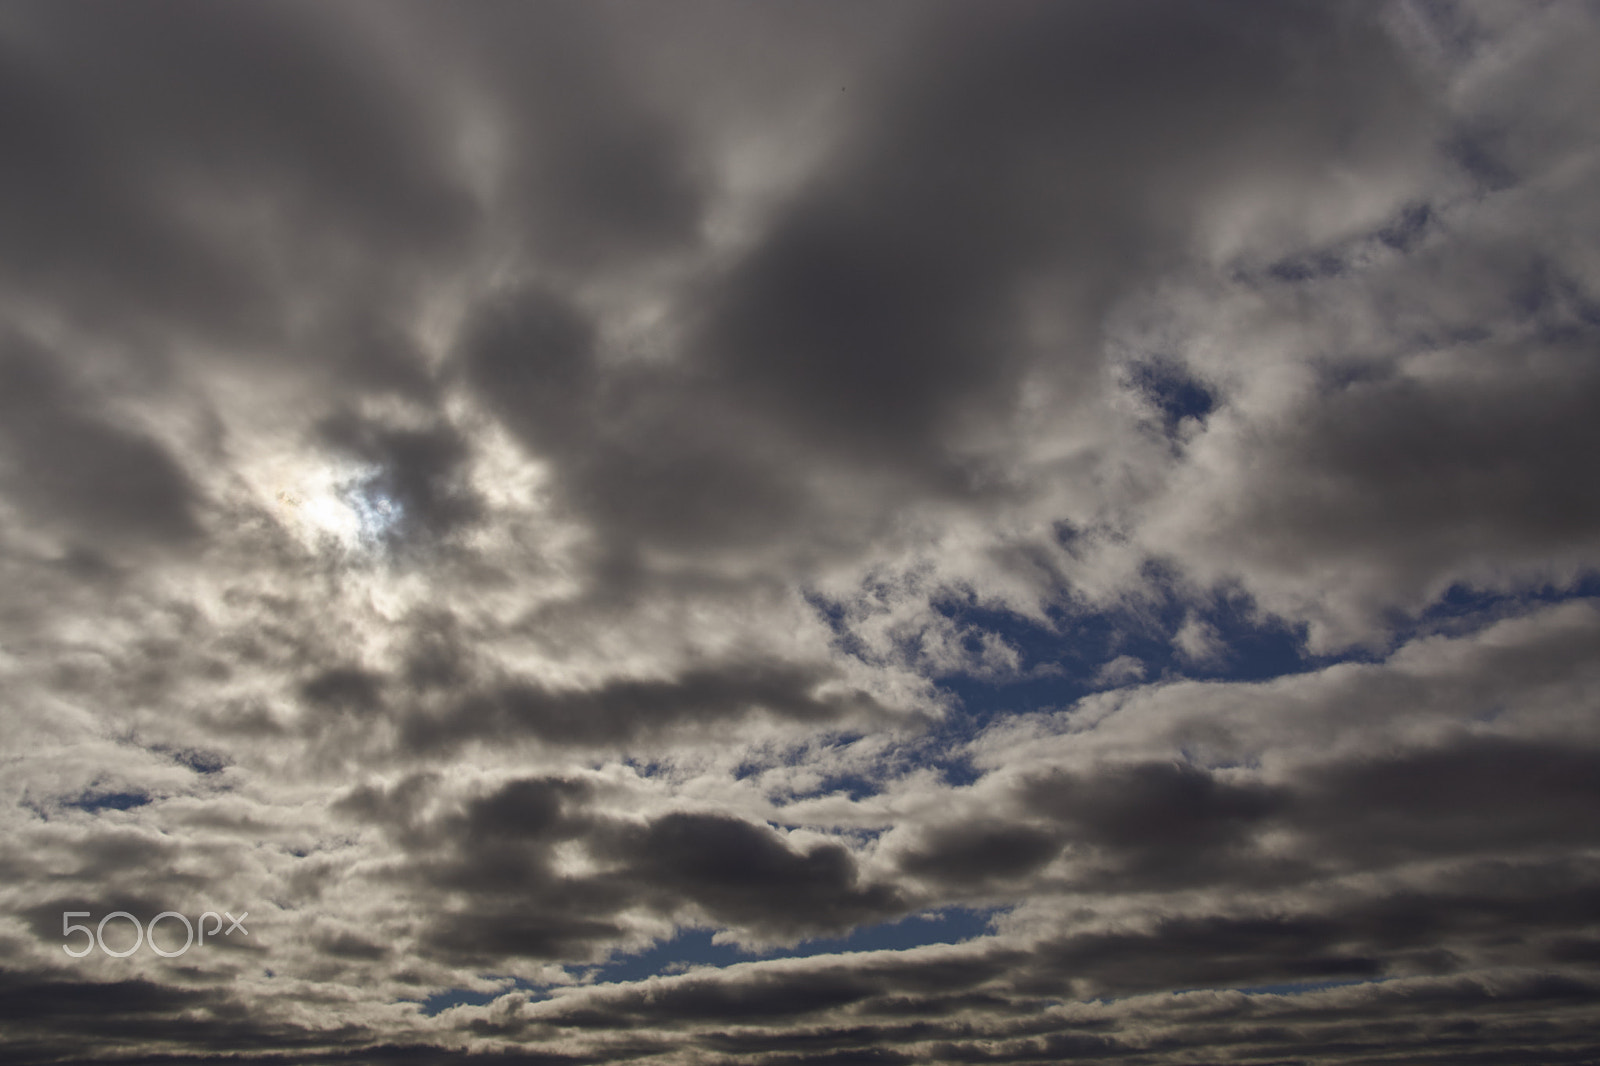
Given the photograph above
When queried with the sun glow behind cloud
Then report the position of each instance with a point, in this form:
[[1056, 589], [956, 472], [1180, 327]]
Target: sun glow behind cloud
[[317, 501]]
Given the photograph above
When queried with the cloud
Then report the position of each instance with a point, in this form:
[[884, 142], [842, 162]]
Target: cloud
[[512, 497], [68, 463]]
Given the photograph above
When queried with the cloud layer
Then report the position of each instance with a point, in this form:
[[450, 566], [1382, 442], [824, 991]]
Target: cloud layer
[[597, 526]]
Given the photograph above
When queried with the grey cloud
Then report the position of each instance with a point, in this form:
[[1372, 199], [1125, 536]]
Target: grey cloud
[[1166, 826], [1420, 1016], [1463, 919], [489, 935], [182, 104], [110, 485], [1029, 146], [1162, 805], [529, 808], [642, 452], [1428, 479], [742, 874], [500, 852], [531, 354], [1451, 379], [1478, 795], [624, 709], [344, 687], [1117, 828], [471, 476], [760, 991], [974, 853], [873, 324], [595, 171]]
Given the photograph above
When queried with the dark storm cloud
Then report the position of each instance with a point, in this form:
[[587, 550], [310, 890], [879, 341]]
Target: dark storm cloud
[[1424, 477], [1480, 795], [1158, 805], [496, 930], [624, 709], [1499, 913], [500, 854], [594, 171], [1123, 828], [876, 320], [125, 122], [1062, 147], [641, 452], [783, 996], [982, 851], [1164, 826], [1331, 945], [531, 353], [1453, 376], [109, 485], [529, 809], [64, 1016], [762, 992], [58, 1018], [346, 688], [1146, 827], [744, 875], [850, 1004]]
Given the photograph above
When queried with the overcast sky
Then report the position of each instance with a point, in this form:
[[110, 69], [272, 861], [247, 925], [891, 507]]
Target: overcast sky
[[777, 533]]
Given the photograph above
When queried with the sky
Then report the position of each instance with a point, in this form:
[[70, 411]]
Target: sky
[[712, 533]]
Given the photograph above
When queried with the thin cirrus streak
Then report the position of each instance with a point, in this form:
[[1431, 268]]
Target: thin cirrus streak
[[799, 533]]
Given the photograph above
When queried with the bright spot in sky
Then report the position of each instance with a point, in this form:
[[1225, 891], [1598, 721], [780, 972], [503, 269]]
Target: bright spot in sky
[[376, 511], [344, 502]]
